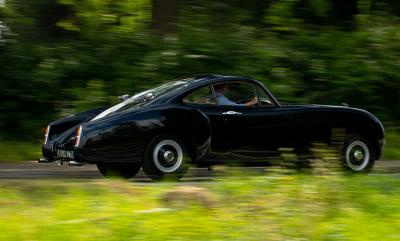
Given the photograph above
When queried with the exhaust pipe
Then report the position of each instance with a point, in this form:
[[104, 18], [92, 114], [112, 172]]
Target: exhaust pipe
[[70, 163], [75, 163], [43, 160]]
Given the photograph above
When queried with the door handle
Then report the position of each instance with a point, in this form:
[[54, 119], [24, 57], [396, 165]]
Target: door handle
[[231, 112]]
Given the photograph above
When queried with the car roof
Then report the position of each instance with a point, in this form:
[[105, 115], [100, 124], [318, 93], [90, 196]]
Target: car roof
[[210, 78], [206, 79], [197, 81]]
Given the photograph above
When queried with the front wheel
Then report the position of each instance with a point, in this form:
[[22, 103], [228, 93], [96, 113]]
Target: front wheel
[[358, 154], [165, 156], [122, 170]]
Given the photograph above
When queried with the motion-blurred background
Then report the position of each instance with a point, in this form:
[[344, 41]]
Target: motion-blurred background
[[58, 57]]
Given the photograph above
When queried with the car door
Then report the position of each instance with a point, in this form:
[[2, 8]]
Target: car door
[[203, 99], [253, 129]]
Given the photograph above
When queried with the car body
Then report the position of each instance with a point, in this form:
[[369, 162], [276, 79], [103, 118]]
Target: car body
[[210, 132]]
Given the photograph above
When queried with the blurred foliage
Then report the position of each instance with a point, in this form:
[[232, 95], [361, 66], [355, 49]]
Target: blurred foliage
[[270, 207], [62, 56], [392, 147], [19, 151]]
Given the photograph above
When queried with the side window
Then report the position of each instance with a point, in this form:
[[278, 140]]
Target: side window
[[236, 94], [264, 98], [202, 95]]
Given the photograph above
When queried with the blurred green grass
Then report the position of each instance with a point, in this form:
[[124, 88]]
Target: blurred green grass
[[23, 151], [280, 207]]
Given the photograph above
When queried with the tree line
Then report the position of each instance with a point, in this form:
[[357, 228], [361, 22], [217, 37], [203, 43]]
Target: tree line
[[58, 57]]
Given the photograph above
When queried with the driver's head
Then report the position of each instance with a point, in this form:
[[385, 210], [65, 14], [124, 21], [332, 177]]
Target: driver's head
[[221, 88]]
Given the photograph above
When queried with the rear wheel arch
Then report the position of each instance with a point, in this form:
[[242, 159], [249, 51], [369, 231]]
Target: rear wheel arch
[[358, 153], [157, 166], [191, 125], [188, 141]]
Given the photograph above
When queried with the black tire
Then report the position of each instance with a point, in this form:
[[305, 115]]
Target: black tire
[[121, 170], [358, 154], [165, 158]]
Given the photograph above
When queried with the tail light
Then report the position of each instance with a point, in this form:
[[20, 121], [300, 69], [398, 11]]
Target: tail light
[[78, 136], [46, 135]]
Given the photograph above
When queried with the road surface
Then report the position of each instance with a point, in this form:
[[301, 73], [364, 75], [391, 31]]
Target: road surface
[[34, 170]]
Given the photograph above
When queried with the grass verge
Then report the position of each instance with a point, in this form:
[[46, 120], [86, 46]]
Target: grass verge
[[280, 207]]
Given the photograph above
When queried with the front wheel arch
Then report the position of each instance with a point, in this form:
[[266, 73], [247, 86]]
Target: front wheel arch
[[366, 133]]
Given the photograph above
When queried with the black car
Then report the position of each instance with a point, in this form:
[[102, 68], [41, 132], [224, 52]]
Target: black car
[[206, 120]]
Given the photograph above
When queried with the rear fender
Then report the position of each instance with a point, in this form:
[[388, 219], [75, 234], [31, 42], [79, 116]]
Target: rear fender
[[125, 136], [193, 126], [62, 125], [62, 132]]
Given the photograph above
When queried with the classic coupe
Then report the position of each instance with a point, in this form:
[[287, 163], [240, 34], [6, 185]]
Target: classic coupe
[[205, 120]]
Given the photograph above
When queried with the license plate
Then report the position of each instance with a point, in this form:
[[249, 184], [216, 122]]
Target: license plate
[[65, 154]]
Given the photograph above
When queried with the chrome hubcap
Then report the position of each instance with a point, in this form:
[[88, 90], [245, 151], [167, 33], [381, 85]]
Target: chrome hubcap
[[168, 156], [357, 155]]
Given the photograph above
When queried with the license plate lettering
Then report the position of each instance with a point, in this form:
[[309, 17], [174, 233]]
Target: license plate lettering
[[65, 154]]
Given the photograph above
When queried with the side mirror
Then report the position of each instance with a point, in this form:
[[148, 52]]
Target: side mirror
[[122, 98]]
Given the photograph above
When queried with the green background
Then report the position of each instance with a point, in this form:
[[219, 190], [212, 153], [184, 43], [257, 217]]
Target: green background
[[58, 57]]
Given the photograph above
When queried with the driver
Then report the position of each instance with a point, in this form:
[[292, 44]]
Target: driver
[[221, 89]]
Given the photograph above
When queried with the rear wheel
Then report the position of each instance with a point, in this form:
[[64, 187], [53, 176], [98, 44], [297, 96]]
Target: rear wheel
[[358, 154], [122, 170], [165, 156]]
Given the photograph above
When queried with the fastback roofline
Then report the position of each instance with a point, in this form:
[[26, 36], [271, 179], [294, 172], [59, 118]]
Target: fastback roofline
[[206, 79]]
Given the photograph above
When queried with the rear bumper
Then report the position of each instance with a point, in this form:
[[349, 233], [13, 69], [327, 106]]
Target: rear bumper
[[70, 163], [51, 154], [73, 156], [48, 152]]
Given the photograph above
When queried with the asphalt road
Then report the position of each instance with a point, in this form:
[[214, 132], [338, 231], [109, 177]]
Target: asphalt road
[[34, 170]]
